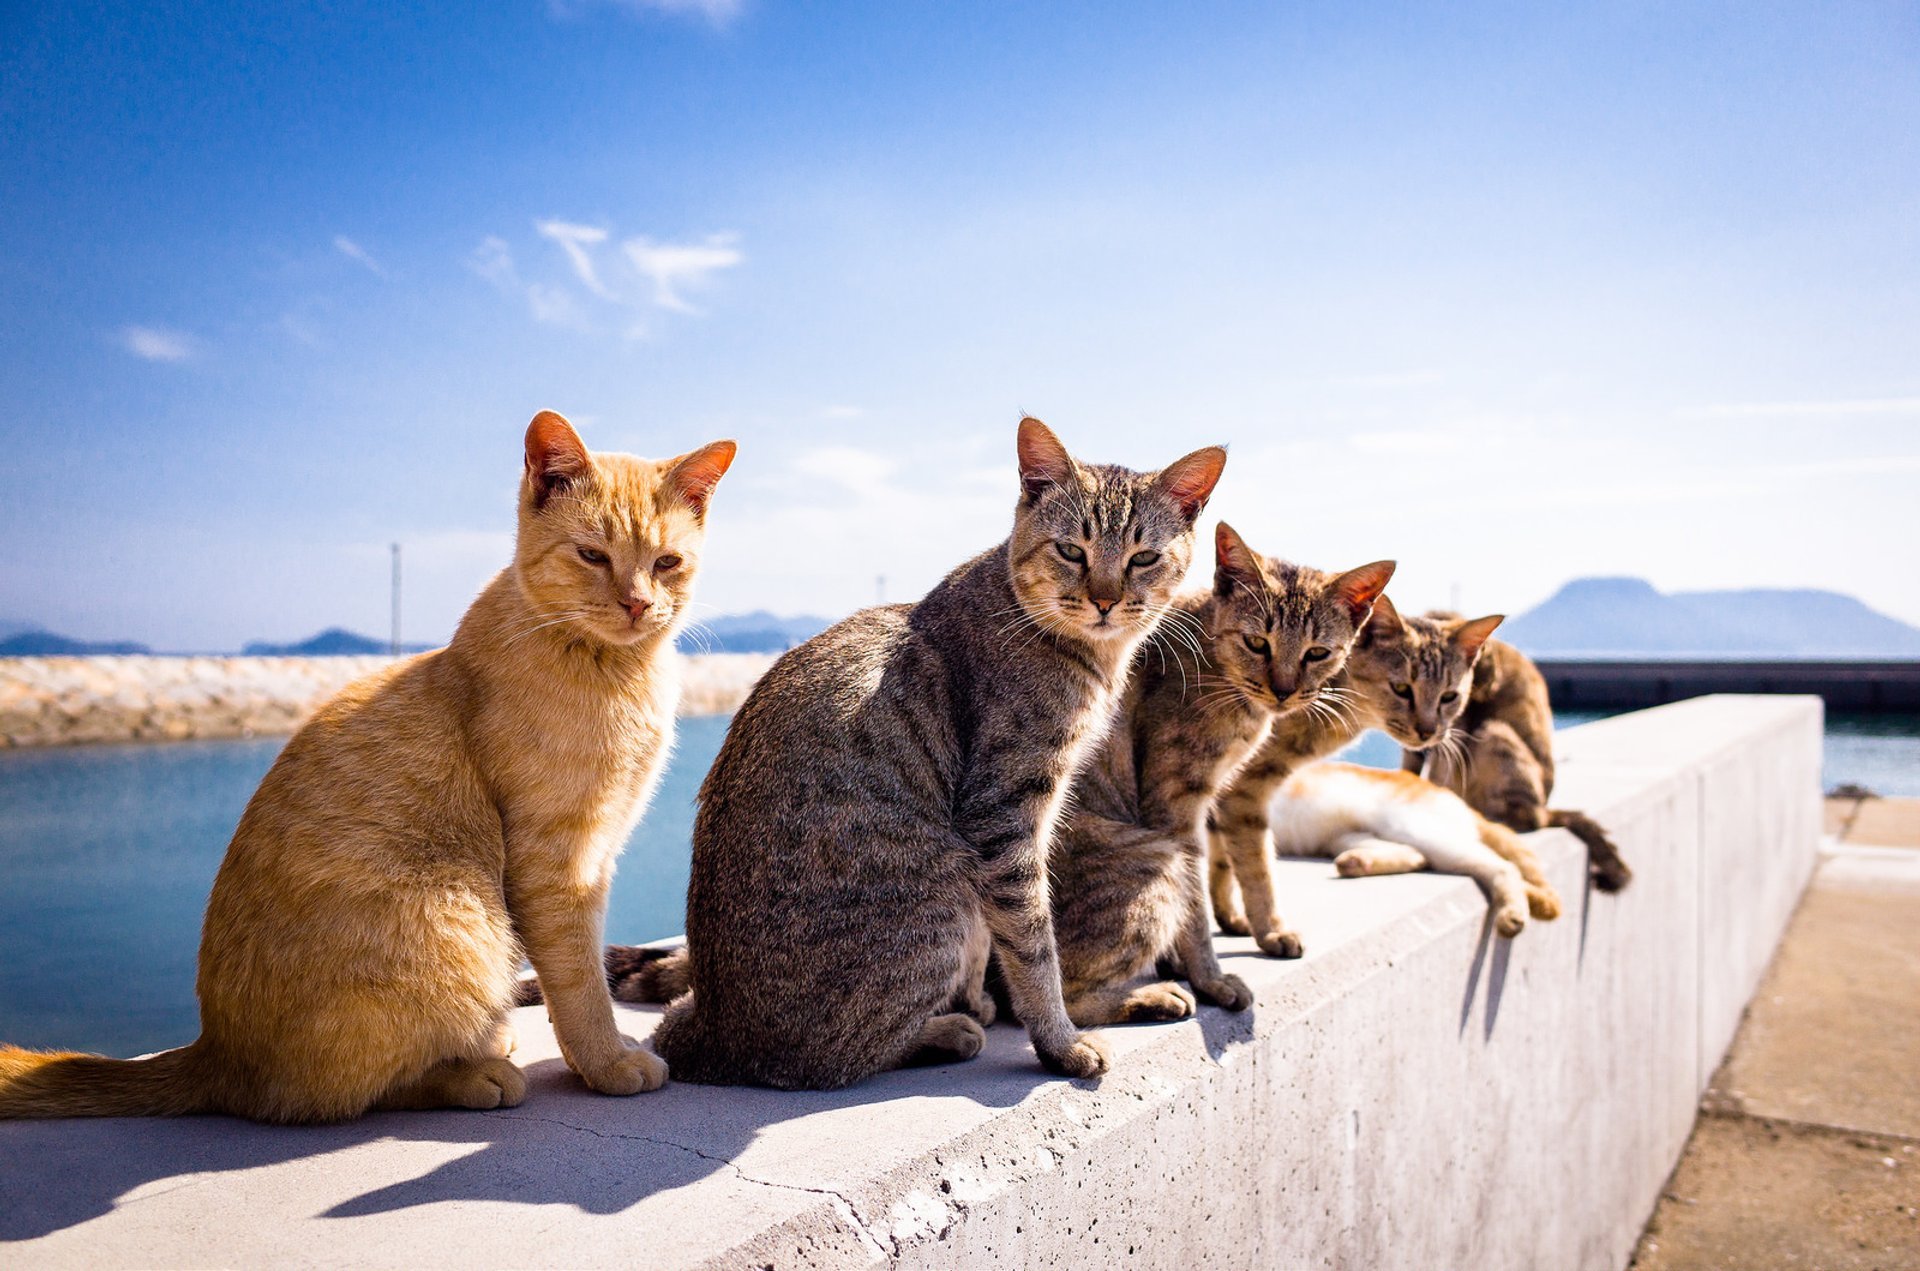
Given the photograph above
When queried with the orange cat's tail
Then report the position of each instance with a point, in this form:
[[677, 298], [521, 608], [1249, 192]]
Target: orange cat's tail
[[635, 973], [36, 1083]]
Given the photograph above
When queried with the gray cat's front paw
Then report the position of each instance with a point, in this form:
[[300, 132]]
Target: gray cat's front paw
[[1087, 1057], [1229, 992]]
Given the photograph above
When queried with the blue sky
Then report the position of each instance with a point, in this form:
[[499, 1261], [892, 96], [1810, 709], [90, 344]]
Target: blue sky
[[1513, 293]]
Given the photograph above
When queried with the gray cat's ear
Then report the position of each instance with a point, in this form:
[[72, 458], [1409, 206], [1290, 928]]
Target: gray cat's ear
[[556, 457], [1359, 588], [1469, 636], [1190, 479], [1383, 625], [1043, 460], [1234, 562], [694, 476]]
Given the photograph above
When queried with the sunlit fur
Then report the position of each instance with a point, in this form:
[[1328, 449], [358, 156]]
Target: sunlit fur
[[1380, 822], [880, 814], [1129, 869], [1396, 665], [430, 824], [1498, 754]]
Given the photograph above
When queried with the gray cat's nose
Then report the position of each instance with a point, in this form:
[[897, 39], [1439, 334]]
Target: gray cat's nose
[[1104, 606]]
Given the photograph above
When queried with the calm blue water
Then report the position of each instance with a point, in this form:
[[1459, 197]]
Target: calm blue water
[[107, 854]]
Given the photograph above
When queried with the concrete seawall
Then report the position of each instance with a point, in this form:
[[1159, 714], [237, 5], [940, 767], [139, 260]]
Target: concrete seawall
[[66, 701], [1413, 1093]]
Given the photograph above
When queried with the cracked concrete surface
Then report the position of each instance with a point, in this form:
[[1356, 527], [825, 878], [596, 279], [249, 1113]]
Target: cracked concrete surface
[[1414, 1092]]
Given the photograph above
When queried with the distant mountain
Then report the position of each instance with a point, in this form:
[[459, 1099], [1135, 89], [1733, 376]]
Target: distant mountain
[[30, 642], [1602, 617], [756, 632], [334, 642]]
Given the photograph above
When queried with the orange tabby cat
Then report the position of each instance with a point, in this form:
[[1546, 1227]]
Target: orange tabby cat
[[433, 820]]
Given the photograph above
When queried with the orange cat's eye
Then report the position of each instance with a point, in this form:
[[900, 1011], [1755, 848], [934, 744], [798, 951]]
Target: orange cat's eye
[[665, 563], [592, 557]]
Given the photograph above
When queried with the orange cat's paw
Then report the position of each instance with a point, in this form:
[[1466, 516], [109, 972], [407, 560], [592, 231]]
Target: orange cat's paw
[[486, 1084], [1087, 1057], [1509, 922], [1542, 903], [1229, 992], [636, 1072], [1281, 944]]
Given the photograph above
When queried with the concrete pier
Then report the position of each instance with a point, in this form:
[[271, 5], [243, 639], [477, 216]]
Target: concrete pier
[[1415, 1092]]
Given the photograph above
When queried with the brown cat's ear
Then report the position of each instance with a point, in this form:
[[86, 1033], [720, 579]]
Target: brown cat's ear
[[1189, 480], [1043, 460], [1383, 625], [1359, 588], [1469, 636], [694, 476], [556, 457], [1234, 562]]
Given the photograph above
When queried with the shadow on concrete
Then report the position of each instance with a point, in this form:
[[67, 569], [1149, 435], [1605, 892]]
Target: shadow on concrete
[[1501, 950], [562, 1145]]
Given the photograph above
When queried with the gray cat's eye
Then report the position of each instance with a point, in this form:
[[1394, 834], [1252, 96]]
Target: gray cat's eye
[[1073, 552], [592, 557], [1403, 690], [1318, 654], [1143, 559], [1257, 643], [1449, 696]]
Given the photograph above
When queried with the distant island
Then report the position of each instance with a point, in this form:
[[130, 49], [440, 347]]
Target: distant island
[[334, 642], [756, 632], [32, 642], [1628, 617]]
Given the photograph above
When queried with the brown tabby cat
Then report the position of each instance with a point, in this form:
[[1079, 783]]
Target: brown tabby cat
[[1503, 762], [1405, 676], [879, 814], [1130, 869], [430, 822]]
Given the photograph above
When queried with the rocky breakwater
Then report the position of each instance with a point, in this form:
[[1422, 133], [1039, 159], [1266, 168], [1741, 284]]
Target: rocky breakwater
[[65, 701]]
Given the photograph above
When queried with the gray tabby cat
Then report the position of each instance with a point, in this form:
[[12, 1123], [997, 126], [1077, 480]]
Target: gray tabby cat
[[1405, 676], [1129, 871], [879, 815]]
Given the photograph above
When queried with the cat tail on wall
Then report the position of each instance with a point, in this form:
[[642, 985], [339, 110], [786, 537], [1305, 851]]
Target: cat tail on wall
[[635, 973], [1610, 873], [37, 1083]]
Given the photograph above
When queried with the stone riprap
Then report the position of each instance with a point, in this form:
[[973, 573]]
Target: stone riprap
[[1413, 1093], [63, 701]]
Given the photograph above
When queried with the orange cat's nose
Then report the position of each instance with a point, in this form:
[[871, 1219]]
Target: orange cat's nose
[[638, 607]]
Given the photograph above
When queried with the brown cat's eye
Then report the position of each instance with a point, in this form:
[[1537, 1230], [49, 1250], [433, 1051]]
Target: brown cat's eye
[[1403, 690], [1143, 559], [1318, 654], [666, 563], [592, 557], [1073, 552], [1257, 643]]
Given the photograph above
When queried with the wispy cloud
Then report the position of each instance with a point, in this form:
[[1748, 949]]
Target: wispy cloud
[[717, 12], [157, 344], [674, 267], [577, 241], [1836, 408], [493, 261], [555, 306], [358, 254]]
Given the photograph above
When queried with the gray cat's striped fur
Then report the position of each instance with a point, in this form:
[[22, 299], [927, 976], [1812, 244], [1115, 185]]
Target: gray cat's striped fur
[[879, 815], [1130, 867]]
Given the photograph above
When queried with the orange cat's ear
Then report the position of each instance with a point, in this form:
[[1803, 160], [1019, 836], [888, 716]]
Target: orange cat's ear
[[1043, 460], [1383, 624], [1359, 588], [1469, 636], [1190, 479], [1235, 565], [556, 457], [694, 476]]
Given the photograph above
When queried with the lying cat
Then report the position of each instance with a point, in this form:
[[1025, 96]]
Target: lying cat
[[430, 822], [879, 815], [1378, 822], [1502, 764], [1405, 676], [1129, 869]]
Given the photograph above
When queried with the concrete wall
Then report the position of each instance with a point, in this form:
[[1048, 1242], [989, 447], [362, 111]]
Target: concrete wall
[[65, 701], [1413, 1093]]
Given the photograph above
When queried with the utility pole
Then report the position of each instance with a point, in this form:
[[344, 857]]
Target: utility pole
[[394, 644]]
